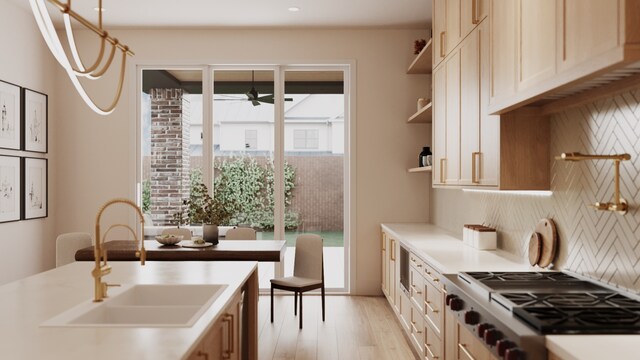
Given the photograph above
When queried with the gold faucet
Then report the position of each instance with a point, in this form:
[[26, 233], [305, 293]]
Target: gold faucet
[[102, 268], [619, 204]]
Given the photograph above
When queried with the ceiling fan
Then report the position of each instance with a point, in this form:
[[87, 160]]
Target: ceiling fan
[[254, 97]]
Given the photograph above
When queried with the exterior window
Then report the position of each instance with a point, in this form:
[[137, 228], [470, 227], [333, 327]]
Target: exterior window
[[251, 139], [306, 139]]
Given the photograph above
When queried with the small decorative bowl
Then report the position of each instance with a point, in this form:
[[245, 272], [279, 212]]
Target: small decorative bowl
[[169, 239]]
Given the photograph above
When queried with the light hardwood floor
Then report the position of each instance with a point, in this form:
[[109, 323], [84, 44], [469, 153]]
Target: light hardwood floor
[[356, 327]]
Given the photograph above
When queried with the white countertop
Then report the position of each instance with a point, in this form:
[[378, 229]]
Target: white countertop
[[448, 254], [26, 303]]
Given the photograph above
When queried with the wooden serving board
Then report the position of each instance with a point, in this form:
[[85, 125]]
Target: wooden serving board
[[547, 230], [535, 248]]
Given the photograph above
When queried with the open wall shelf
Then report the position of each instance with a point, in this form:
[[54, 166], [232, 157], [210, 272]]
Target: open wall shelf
[[422, 117], [423, 63], [420, 169]]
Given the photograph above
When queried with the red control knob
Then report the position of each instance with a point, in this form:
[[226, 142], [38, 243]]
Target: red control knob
[[491, 336], [514, 354], [456, 304], [448, 298], [482, 328], [503, 345], [471, 317]]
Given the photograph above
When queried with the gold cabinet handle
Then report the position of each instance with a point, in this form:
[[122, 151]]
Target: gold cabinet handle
[[442, 181], [203, 354], [434, 279], [415, 329], [442, 52], [474, 167], [463, 347], [427, 304], [393, 250], [413, 287], [431, 354], [474, 12], [228, 318], [383, 242]]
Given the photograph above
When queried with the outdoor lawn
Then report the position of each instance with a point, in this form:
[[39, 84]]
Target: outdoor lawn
[[331, 238]]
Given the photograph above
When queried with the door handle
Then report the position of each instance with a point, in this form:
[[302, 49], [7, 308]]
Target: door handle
[[475, 176], [474, 12], [442, 52]]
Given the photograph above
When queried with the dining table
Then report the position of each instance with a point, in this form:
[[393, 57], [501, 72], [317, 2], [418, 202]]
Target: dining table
[[225, 250]]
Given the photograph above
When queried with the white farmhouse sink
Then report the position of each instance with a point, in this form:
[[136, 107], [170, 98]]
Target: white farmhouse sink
[[142, 306]]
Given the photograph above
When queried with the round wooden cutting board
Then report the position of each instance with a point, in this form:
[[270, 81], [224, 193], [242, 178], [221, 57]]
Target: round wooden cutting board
[[546, 228], [535, 248]]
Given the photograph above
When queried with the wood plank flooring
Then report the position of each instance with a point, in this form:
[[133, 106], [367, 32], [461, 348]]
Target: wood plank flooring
[[356, 327]]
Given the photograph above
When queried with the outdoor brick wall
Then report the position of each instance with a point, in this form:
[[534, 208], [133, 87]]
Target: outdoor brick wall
[[169, 168], [318, 195]]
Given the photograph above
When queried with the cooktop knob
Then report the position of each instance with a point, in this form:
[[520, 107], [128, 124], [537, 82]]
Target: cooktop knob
[[448, 298], [503, 345], [471, 317], [491, 336], [482, 328], [514, 354], [456, 304]]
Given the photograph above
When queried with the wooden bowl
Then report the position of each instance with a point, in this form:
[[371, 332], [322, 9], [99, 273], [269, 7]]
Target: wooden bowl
[[169, 239]]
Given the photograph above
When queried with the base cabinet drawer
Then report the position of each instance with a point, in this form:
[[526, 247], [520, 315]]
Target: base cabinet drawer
[[433, 309], [416, 326], [432, 344], [469, 347]]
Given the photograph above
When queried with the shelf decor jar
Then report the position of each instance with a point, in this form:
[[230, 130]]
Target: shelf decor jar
[[425, 157]]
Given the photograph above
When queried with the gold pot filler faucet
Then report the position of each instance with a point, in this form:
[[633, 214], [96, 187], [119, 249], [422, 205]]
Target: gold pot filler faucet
[[619, 204], [102, 268]]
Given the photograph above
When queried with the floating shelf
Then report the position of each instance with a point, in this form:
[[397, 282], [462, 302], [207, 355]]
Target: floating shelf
[[420, 169], [422, 64], [423, 116]]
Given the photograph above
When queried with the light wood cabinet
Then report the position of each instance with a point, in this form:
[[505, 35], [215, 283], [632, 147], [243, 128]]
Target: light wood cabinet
[[473, 148], [546, 50], [384, 265], [469, 347], [439, 17], [223, 341], [537, 39], [452, 24]]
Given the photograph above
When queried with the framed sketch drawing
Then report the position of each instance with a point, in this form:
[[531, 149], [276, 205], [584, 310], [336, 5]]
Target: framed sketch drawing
[[35, 121], [10, 102], [10, 188], [35, 188]]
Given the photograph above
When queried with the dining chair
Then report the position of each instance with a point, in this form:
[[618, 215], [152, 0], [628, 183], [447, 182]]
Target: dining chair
[[240, 234], [67, 245], [308, 272], [186, 233]]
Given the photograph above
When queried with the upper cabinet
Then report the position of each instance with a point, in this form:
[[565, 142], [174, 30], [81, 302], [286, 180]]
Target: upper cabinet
[[472, 148], [453, 20], [544, 50]]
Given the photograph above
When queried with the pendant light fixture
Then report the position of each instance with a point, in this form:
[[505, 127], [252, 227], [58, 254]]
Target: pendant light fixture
[[101, 64]]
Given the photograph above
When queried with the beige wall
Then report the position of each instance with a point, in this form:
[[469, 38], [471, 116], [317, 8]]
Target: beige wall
[[28, 246], [600, 245], [97, 154]]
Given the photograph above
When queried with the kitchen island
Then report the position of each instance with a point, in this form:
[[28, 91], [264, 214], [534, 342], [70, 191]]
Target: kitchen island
[[27, 303]]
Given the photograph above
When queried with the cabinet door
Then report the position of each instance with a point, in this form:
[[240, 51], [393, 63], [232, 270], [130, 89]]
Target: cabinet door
[[394, 282], [452, 162], [213, 344], [537, 35], [439, 17], [472, 12], [588, 28], [503, 48], [487, 160], [470, 107], [439, 124], [452, 25]]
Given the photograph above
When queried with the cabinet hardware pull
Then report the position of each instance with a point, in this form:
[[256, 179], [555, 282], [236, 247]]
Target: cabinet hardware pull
[[431, 354], [474, 12], [463, 347], [475, 176], [415, 329], [434, 279], [442, 181], [427, 304], [203, 354], [413, 287], [383, 243], [231, 338], [393, 250], [442, 52]]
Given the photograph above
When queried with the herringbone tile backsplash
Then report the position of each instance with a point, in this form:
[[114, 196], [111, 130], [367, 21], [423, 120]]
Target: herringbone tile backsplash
[[601, 245]]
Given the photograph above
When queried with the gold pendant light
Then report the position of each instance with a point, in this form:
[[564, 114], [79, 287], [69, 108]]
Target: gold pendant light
[[99, 67]]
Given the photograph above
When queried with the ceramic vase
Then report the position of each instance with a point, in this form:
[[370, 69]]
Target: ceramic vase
[[210, 233]]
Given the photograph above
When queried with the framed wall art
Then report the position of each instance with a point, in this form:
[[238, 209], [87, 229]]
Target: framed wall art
[[10, 106], [10, 183], [35, 121], [35, 188]]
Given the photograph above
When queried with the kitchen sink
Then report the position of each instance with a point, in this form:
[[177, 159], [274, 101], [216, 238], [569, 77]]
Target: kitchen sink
[[142, 306]]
